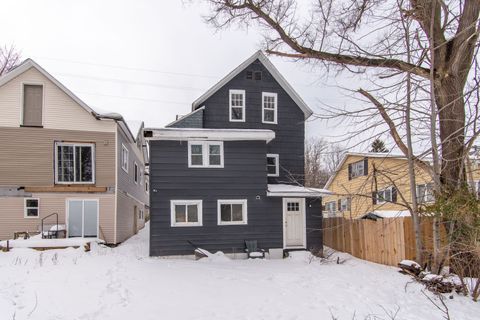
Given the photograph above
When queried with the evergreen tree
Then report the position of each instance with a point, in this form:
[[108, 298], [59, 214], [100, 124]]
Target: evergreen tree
[[378, 146]]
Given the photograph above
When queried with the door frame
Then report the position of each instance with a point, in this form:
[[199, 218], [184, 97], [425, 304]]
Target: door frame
[[67, 207], [284, 222]]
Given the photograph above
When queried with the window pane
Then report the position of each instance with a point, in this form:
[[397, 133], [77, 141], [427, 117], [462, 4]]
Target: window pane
[[32, 212], [31, 203], [196, 148], [214, 149], [237, 113], [269, 115], [225, 212], [84, 164], [237, 212], [215, 160], [388, 195], [180, 213], [192, 213], [65, 163], [197, 160]]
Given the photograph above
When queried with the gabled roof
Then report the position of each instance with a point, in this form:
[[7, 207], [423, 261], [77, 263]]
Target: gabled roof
[[30, 63], [273, 71], [365, 155]]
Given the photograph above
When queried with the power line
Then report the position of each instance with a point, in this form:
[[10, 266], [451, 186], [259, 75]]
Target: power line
[[129, 82], [132, 68], [134, 98]]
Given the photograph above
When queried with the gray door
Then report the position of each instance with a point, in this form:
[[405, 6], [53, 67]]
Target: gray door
[[90, 218], [75, 218], [82, 218]]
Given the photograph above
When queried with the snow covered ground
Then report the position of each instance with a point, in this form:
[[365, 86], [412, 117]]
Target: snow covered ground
[[124, 283]]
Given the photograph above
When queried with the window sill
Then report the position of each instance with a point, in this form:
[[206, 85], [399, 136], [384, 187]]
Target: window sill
[[232, 223], [30, 126], [186, 225], [25, 217]]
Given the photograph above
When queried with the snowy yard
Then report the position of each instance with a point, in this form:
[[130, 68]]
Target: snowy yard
[[124, 283]]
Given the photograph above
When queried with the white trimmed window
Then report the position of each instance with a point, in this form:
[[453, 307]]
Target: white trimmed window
[[186, 213], [32, 208], [425, 193], [74, 163], [205, 154], [344, 204], [232, 212], [135, 173], [237, 105], [273, 165], [124, 158], [331, 207], [358, 169], [385, 195], [269, 107]]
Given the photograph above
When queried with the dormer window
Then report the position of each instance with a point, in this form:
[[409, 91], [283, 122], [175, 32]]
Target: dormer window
[[237, 106], [32, 105], [269, 107]]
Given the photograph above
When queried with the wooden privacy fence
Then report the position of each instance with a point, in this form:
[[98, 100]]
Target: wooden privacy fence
[[385, 241]]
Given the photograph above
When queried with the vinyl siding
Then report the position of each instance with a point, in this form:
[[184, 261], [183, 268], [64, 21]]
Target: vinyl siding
[[27, 155], [60, 111], [12, 213], [126, 179], [125, 216], [290, 128], [243, 177], [360, 188]]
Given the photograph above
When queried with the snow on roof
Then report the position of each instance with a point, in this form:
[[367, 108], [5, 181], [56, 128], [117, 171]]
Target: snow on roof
[[209, 134], [134, 126], [388, 213], [273, 71], [286, 190]]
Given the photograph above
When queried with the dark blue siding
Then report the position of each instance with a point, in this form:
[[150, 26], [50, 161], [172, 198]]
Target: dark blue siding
[[192, 120], [289, 131]]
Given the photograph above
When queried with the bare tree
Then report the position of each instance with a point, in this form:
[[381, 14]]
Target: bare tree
[[338, 33], [9, 59], [321, 161]]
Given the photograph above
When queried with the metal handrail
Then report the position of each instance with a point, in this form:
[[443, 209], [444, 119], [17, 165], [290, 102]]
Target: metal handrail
[[56, 214]]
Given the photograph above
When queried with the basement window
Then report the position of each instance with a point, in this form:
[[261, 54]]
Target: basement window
[[31, 208]]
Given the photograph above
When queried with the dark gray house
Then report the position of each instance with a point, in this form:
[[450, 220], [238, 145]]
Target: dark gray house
[[232, 169]]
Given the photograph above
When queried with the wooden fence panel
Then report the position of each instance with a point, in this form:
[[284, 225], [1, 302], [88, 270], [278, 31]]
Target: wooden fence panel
[[384, 241]]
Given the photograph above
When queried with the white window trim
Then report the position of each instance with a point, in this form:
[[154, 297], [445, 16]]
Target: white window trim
[[329, 204], [205, 154], [25, 208], [274, 95], [136, 175], [425, 196], [125, 163], [232, 201], [379, 201], [277, 165], [173, 222], [242, 92], [59, 143]]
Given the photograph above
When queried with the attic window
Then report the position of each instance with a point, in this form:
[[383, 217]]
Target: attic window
[[249, 75], [258, 75]]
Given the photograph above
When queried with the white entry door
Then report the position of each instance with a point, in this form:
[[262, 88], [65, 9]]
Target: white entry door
[[294, 232], [82, 218]]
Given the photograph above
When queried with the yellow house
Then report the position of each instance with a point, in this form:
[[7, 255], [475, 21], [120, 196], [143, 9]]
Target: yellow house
[[378, 183]]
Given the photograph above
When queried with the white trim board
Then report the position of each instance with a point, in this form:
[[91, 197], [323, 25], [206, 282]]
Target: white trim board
[[185, 134], [273, 71]]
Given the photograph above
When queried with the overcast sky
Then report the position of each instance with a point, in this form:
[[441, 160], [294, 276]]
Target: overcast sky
[[147, 60]]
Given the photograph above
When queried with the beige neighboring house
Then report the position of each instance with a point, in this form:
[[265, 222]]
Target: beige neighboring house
[[378, 184], [58, 155]]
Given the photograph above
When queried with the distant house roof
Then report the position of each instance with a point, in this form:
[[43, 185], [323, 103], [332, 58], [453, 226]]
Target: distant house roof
[[286, 190], [365, 155], [381, 214], [185, 120], [95, 112], [273, 71], [184, 134]]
